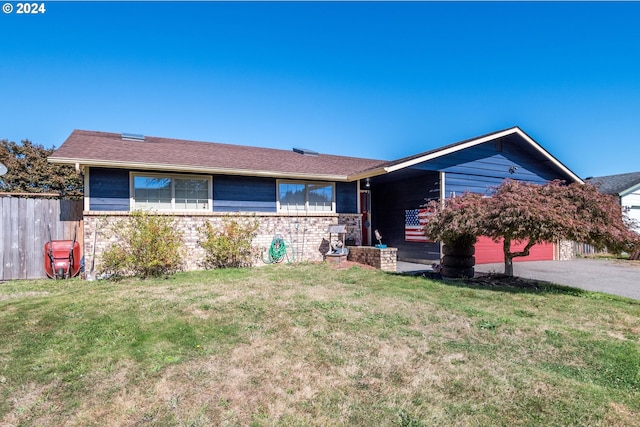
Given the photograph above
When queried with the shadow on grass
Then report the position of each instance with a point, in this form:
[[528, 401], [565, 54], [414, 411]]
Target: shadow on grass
[[514, 284]]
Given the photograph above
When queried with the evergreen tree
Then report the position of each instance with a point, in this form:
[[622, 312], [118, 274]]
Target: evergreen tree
[[28, 171]]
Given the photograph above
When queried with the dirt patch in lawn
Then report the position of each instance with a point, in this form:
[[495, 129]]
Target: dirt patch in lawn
[[501, 280]]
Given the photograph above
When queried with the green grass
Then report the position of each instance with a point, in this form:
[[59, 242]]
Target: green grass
[[310, 345]]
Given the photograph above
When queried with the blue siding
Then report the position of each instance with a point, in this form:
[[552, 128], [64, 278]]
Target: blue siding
[[477, 169], [108, 189], [240, 193], [458, 184], [484, 174], [347, 197], [497, 166], [494, 159], [252, 194], [480, 168], [390, 198]]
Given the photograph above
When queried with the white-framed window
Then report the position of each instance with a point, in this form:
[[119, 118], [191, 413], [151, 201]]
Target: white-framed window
[[306, 196], [162, 192]]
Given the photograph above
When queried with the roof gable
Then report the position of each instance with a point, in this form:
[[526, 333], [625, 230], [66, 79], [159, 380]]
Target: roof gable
[[451, 150]]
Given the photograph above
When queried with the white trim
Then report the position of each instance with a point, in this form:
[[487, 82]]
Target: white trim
[[482, 140], [208, 178], [629, 190], [201, 170], [368, 174], [87, 192], [446, 151], [442, 187], [442, 197], [281, 209], [549, 156]]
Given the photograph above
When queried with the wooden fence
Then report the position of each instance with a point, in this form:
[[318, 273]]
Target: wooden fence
[[24, 224]]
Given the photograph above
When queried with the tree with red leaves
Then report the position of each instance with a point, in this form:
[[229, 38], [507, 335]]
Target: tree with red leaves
[[526, 212]]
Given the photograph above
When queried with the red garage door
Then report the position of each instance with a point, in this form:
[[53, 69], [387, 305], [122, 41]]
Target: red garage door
[[488, 251]]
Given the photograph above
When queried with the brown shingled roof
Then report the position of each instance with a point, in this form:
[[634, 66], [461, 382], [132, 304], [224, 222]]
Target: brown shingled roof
[[111, 150]]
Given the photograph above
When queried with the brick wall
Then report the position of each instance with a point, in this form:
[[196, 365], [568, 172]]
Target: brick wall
[[383, 259], [306, 235]]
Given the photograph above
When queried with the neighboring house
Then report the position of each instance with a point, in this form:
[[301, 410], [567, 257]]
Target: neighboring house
[[297, 193], [626, 187]]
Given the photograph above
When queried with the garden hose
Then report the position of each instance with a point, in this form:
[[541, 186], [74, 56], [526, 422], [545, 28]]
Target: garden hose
[[277, 250]]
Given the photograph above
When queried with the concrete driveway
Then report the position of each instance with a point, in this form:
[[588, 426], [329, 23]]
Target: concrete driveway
[[608, 276]]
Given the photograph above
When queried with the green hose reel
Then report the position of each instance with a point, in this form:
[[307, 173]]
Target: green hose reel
[[277, 250]]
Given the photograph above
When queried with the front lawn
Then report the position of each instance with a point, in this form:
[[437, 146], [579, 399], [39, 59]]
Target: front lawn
[[311, 345]]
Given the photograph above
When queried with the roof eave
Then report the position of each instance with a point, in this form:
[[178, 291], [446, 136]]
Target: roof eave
[[544, 152], [630, 190], [197, 169], [482, 140], [448, 150], [369, 173]]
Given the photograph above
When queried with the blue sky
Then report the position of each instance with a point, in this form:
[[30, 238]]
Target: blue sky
[[368, 79]]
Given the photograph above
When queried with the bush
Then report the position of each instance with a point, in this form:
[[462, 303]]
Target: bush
[[231, 245], [148, 246]]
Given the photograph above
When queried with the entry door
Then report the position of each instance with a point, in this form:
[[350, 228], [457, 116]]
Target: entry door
[[365, 207]]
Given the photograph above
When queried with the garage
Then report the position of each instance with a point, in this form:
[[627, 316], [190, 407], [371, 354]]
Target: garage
[[399, 190], [488, 251]]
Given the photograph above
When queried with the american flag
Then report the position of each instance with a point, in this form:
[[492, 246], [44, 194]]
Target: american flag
[[414, 220]]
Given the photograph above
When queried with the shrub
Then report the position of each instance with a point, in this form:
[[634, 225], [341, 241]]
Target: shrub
[[148, 246], [532, 213], [456, 221], [229, 246]]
